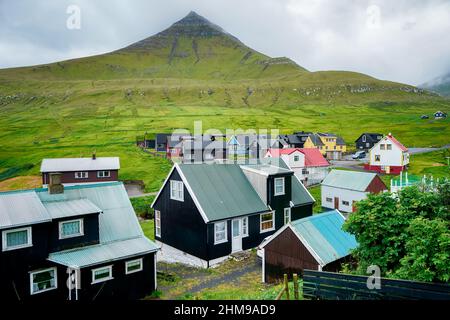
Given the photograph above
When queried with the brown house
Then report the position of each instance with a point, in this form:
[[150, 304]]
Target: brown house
[[316, 243], [74, 171]]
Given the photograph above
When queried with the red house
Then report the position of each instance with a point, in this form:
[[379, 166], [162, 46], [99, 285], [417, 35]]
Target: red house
[[74, 171]]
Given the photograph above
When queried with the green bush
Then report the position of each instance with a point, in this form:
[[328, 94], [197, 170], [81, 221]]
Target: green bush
[[142, 208]]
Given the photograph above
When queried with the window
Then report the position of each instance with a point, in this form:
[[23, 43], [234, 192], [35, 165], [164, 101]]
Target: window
[[377, 158], [389, 147], [157, 223], [345, 203], [101, 274], [266, 222], [287, 215], [305, 171], [329, 199], [367, 145], [104, 174], [279, 186], [382, 147], [70, 229], [81, 175], [176, 190], [364, 138], [43, 280], [220, 232], [16, 239], [133, 266], [245, 227], [296, 158]]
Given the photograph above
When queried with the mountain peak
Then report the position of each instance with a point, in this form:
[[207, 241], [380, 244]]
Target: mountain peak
[[194, 25]]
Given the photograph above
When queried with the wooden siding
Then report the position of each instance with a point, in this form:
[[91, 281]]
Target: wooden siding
[[69, 177], [286, 254], [376, 186]]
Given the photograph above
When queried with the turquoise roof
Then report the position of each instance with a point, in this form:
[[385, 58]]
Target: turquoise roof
[[222, 190], [70, 208], [351, 180], [324, 235]]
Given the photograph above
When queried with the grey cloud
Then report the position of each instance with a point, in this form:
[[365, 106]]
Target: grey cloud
[[409, 44]]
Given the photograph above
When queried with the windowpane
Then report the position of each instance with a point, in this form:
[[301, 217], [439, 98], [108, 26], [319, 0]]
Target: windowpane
[[17, 238], [220, 233], [102, 274], [279, 186], [71, 228], [157, 223], [267, 221], [42, 281], [133, 266], [245, 226], [176, 190]]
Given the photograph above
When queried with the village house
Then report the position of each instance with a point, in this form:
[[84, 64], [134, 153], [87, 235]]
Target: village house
[[388, 156], [309, 165], [161, 141], [330, 145], [81, 170], [315, 243], [295, 140], [366, 141], [80, 242], [248, 146], [203, 149], [206, 212], [342, 189]]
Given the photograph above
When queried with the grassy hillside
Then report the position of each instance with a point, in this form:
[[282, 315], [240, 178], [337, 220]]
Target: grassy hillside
[[192, 71]]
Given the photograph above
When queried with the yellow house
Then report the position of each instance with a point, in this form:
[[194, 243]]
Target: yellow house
[[330, 145]]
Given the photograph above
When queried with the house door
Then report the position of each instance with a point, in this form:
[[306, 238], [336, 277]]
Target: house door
[[336, 202], [236, 235]]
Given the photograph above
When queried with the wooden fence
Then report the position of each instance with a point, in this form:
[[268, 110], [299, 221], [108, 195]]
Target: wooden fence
[[338, 286]]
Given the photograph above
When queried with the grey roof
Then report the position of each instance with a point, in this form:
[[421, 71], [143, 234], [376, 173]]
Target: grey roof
[[161, 138], [267, 169], [371, 136], [340, 141], [109, 252], [80, 164], [315, 138], [21, 208], [70, 208], [351, 180], [222, 190], [120, 234]]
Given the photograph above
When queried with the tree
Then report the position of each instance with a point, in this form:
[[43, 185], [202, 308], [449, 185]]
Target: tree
[[404, 233]]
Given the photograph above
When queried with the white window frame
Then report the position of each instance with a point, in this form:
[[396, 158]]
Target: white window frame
[[101, 174], [141, 262], [5, 239], [225, 230], [245, 234], [388, 146], [288, 211], [261, 222], [328, 199], [60, 224], [81, 175], [40, 271], [296, 158], [178, 187], [364, 138], [94, 281], [157, 223], [275, 186], [345, 203]]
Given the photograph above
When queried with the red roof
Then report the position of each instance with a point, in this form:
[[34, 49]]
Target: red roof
[[395, 141], [314, 158]]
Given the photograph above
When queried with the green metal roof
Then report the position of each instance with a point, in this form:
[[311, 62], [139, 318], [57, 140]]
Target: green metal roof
[[324, 236], [352, 180], [222, 190], [300, 195], [104, 253], [70, 208]]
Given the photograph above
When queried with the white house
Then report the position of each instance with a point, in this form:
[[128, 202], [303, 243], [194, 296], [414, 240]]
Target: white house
[[388, 156], [341, 189], [308, 164]]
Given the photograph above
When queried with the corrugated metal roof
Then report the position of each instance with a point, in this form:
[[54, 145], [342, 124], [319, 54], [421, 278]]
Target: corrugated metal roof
[[351, 180], [324, 235], [300, 195], [20, 208], [92, 255], [222, 190], [80, 164], [70, 208]]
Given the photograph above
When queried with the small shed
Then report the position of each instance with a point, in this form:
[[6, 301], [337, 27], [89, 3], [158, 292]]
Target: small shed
[[316, 242]]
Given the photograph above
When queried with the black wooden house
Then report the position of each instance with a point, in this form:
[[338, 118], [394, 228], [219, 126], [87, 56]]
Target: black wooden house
[[73, 243], [205, 212], [366, 141]]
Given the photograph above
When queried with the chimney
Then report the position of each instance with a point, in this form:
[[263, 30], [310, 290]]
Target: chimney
[[390, 135], [55, 186], [94, 156]]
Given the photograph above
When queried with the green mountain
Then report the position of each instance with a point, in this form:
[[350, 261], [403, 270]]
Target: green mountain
[[440, 85]]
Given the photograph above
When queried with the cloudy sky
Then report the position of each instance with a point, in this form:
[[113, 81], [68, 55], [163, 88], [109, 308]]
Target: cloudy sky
[[403, 40]]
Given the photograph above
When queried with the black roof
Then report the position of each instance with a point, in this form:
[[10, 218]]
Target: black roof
[[372, 136]]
